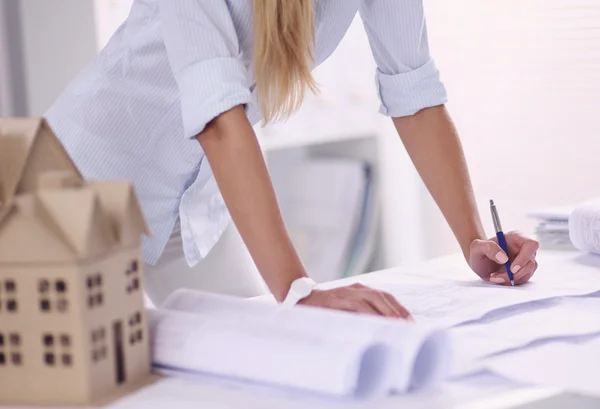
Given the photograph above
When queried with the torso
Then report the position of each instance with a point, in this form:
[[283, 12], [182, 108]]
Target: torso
[[121, 119]]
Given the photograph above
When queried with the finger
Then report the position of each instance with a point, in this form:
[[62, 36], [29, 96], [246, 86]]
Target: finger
[[354, 305], [526, 272], [378, 302], [525, 279], [526, 254], [491, 250], [524, 275], [530, 266], [500, 278], [516, 238], [399, 308]]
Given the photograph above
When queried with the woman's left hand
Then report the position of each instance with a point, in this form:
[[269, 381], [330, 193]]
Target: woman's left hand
[[487, 259]]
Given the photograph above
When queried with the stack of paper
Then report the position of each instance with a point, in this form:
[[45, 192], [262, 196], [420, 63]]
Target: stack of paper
[[552, 230], [311, 349]]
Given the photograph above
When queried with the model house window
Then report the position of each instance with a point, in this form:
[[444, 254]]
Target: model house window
[[8, 296], [95, 296], [10, 349], [98, 338], [53, 295], [57, 349], [135, 328], [133, 279]]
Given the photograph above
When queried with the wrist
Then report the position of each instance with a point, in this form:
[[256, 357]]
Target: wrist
[[476, 233], [299, 289]]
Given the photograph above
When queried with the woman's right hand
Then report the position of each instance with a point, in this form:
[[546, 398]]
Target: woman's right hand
[[358, 298]]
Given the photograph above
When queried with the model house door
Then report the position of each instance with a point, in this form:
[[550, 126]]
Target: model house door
[[119, 349]]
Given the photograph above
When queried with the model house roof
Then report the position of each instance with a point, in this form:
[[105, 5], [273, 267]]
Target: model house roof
[[48, 213], [28, 147], [63, 222]]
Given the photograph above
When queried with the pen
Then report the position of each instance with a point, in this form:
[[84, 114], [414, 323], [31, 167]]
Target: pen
[[501, 239]]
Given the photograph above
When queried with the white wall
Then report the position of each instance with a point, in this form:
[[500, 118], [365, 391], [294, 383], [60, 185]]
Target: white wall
[[524, 83], [59, 38], [109, 14]]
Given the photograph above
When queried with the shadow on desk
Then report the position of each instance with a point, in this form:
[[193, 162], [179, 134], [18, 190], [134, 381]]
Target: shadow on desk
[[562, 401], [586, 259]]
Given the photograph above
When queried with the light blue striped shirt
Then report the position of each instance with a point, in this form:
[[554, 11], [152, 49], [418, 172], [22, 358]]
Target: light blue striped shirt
[[174, 65]]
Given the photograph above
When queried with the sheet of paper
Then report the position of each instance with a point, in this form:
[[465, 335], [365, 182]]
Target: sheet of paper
[[196, 391], [436, 294], [574, 366], [532, 323], [257, 351], [450, 303], [558, 273], [420, 354], [193, 391]]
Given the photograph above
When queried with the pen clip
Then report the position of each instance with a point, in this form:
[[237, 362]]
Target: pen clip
[[495, 217]]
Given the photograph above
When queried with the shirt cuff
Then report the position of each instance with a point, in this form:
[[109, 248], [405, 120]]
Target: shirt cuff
[[407, 93], [209, 88]]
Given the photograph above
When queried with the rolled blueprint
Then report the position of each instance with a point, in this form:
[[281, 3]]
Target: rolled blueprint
[[584, 226]]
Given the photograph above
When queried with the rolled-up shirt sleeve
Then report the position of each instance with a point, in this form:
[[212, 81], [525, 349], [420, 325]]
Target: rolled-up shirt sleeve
[[204, 55], [407, 77]]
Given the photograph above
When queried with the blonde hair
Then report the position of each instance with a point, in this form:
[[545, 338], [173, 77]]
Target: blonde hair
[[284, 38]]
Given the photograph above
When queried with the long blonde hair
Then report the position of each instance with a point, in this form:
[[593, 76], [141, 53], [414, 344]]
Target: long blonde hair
[[284, 38]]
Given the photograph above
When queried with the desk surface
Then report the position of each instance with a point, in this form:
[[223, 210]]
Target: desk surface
[[480, 391]]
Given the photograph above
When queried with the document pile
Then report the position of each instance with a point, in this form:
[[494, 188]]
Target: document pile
[[570, 226], [552, 230], [301, 348]]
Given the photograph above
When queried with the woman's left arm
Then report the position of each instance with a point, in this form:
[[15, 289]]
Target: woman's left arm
[[412, 93], [435, 148]]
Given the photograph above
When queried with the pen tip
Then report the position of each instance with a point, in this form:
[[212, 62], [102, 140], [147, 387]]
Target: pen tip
[[512, 282], [491, 202]]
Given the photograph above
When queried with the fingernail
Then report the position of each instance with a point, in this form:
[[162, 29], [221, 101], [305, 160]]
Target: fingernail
[[497, 280], [501, 257], [515, 269]]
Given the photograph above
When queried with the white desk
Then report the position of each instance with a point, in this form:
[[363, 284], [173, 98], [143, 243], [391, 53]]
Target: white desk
[[484, 391]]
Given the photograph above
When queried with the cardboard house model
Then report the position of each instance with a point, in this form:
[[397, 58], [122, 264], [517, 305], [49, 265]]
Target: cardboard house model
[[72, 321]]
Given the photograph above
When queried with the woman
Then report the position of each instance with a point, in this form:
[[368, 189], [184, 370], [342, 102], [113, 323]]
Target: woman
[[182, 82]]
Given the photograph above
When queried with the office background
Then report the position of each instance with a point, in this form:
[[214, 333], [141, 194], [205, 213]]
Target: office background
[[522, 75]]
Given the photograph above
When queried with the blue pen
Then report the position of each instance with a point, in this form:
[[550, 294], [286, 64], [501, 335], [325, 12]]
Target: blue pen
[[501, 239]]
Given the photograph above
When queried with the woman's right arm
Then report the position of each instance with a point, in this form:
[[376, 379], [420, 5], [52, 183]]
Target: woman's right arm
[[233, 152], [204, 54]]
